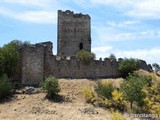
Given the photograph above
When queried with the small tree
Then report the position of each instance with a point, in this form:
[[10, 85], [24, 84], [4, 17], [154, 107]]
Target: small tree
[[51, 86], [132, 88], [156, 67], [85, 56], [9, 57], [112, 56], [5, 87], [127, 66]]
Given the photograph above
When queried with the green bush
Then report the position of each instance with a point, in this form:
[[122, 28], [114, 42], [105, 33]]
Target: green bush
[[104, 89], [132, 88], [5, 87], [9, 57], [112, 56], [127, 66], [85, 56], [52, 87]]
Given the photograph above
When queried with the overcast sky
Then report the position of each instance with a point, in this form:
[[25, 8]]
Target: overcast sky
[[126, 29]]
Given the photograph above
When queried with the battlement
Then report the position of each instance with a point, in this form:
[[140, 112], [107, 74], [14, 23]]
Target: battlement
[[72, 14], [38, 62], [48, 46], [74, 33]]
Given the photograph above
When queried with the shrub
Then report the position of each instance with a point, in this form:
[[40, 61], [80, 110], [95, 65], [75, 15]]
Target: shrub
[[104, 89], [89, 95], [112, 56], [132, 88], [85, 56], [10, 56], [52, 87], [127, 66], [152, 99], [117, 116], [118, 100], [5, 87]]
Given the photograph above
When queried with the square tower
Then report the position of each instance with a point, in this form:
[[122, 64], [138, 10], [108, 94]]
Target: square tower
[[74, 33]]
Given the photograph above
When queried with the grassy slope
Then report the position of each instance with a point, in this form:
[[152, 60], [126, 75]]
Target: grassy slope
[[36, 107]]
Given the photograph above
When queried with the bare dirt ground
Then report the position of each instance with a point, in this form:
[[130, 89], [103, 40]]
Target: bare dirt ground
[[71, 107], [37, 107]]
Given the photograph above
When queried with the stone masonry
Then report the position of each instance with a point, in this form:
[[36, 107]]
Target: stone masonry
[[74, 33], [38, 61]]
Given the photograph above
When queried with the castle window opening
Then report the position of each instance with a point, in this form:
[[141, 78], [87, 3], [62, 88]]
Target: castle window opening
[[81, 46]]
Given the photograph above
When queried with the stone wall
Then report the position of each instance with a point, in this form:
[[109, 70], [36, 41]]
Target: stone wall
[[74, 33], [70, 67], [32, 64], [38, 62]]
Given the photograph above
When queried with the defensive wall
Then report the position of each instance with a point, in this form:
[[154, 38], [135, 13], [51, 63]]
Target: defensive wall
[[39, 62]]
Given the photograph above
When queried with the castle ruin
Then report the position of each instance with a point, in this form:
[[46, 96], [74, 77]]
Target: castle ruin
[[74, 34]]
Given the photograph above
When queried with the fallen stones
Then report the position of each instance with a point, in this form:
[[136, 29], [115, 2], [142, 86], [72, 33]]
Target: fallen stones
[[29, 90]]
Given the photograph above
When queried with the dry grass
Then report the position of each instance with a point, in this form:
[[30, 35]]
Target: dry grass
[[37, 107]]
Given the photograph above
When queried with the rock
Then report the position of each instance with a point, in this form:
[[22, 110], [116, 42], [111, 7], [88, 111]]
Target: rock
[[89, 111], [30, 90], [41, 110]]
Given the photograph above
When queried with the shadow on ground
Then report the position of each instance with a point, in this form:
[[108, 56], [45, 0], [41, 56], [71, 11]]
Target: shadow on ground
[[56, 98]]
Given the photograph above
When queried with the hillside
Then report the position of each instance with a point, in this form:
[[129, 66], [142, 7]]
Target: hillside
[[71, 106], [37, 107]]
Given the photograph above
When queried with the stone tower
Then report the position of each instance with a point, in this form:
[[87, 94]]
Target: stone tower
[[74, 33]]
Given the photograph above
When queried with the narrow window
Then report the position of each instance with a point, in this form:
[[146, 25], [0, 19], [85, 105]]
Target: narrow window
[[81, 46]]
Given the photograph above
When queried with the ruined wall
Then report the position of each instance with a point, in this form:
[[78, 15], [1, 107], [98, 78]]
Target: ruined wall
[[32, 64], [38, 62], [74, 33], [70, 67]]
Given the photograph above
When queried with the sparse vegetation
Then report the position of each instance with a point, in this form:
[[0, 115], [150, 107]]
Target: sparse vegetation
[[8, 58], [132, 88], [112, 56], [156, 67], [104, 89], [127, 66], [117, 116], [118, 100], [85, 56], [5, 87], [89, 95], [140, 90], [109, 96], [52, 87]]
